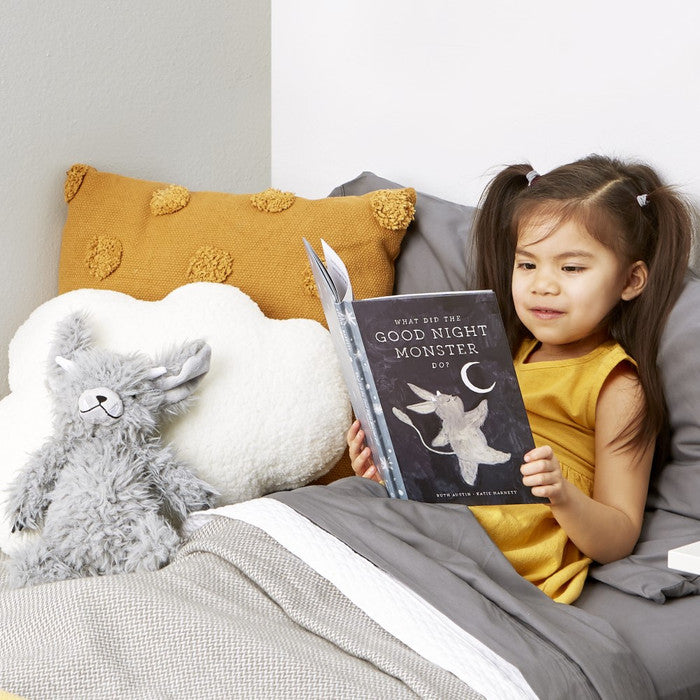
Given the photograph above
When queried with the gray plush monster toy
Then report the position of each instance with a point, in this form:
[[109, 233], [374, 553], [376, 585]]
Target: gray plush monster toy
[[107, 494]]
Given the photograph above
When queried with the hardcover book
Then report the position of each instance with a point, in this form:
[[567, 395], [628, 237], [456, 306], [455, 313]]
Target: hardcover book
[[431, 379]]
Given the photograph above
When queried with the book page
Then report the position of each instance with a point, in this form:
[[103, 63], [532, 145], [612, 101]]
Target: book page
[[338, 272]]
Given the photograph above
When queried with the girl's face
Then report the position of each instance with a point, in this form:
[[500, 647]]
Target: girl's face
[[565, 284]]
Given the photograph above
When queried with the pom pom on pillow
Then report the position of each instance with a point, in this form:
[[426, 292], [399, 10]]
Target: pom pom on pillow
[[147, 238], [270, 415]]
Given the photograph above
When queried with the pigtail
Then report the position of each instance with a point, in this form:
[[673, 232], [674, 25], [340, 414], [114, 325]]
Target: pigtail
[[665, 227], [494, 243]]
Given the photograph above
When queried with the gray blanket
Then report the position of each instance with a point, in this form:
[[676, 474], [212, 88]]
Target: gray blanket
[[233, 616], [442, 553]]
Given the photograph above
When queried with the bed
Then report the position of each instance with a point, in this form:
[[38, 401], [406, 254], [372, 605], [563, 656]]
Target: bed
[[334, 590]]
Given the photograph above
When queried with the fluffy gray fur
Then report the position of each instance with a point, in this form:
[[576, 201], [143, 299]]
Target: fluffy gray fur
[[106, 493]]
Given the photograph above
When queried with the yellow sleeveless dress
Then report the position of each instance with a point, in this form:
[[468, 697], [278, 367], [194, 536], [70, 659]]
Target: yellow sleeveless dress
[[560, 398]]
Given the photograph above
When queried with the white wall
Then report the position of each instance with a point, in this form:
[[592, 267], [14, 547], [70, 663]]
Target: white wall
[[437, 93], [164, 89]]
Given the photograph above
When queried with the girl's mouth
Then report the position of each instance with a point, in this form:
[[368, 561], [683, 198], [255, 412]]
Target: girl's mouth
[[545, 314]]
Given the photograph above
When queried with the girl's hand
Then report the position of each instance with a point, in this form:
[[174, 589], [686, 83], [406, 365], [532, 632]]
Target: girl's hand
[[360, 454], [542, 473]]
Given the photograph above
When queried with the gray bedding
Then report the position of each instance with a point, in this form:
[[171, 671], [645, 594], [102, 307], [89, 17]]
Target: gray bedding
[[665, 637], [441, 552], [233, 616], [236, 615]]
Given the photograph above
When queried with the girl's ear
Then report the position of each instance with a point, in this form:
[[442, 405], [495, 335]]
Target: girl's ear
[[637, 276]]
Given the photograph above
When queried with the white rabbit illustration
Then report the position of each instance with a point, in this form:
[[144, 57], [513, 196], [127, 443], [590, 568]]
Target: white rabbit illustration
[[461, 429]]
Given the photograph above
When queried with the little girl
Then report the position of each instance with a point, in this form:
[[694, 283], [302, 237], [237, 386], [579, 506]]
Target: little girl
[[586, 262]]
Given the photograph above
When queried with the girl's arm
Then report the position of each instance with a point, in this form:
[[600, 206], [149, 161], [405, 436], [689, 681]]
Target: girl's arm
[[607, 526]]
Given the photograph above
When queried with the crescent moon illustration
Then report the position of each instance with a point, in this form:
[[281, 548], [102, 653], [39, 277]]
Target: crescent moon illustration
[[467, 381]]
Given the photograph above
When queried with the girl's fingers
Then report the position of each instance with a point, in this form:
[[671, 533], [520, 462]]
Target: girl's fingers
[[544, 452], [360, 454], [542, 492], [353, 450], [372, 473], [362, 461], [539, 479], [356, 445], [538, 467], [352, 431]]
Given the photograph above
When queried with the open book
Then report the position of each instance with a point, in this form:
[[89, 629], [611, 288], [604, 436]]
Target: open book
[[431, 379]]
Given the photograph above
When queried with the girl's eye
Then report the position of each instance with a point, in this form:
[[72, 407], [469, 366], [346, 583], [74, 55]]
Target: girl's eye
[[572, 268], [525, 265]]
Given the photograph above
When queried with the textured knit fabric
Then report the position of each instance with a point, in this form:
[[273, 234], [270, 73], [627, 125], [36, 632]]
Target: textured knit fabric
[[147, 238], [560, 397], [235, 615]]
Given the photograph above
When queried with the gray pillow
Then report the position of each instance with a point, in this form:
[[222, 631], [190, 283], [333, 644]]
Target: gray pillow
[[673, 505], [677, 488], [434, 253]]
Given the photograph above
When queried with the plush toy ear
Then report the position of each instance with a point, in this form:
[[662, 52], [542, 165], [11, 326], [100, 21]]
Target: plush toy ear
[[72, 334], [66, 364], [156, 372], [184, 370]]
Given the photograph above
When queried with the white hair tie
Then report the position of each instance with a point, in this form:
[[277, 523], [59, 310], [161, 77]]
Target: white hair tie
[[642, 200], [531, 177]]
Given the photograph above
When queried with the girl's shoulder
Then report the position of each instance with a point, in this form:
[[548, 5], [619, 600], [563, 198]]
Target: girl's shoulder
[[611, 354], [619, 399]]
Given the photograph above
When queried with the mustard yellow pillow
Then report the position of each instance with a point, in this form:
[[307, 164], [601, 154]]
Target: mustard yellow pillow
[[147, 238]]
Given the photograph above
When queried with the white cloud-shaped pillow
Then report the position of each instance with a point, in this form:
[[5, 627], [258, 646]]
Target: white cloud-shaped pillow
[[271, 414]]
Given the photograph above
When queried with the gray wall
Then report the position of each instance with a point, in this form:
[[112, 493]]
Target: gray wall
[[171, 91]]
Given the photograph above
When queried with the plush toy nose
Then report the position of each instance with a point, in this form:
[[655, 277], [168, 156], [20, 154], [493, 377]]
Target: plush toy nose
[[100, 405]]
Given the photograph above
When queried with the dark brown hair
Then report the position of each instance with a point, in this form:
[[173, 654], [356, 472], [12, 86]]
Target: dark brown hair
[[600, 194]]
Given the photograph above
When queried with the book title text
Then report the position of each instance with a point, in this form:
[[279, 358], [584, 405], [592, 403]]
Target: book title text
[[432, 337]]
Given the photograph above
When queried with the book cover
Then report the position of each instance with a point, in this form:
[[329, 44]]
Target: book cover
[[431, 379]]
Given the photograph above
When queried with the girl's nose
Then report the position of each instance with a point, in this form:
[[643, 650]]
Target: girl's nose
[[544, 283]]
